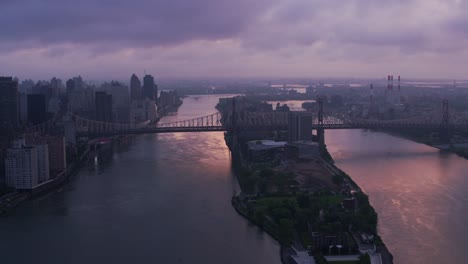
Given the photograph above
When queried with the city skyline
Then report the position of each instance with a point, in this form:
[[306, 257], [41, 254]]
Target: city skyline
[[268, 38]]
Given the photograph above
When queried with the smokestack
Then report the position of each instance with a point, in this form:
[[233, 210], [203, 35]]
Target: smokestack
[[399, 83], [388, 82]]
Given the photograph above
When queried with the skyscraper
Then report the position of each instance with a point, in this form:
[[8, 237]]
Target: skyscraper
[[9, 102], [150, 90], [135, 87], [120, 102], [37, 108], [103, 107], [21, 168]]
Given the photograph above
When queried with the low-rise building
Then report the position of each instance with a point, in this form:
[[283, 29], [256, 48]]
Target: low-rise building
[[303, 150], [264, 150]]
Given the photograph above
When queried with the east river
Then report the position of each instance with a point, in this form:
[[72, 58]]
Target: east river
[[166, 199], [420, 193]]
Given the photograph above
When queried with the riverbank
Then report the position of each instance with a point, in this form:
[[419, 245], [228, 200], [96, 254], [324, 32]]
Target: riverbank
[[11, 200], [460, 148]]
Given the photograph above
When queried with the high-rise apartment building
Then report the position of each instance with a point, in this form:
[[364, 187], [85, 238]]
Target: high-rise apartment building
[[70, 86], [300, 126], [43, 162], [9, 102], [57, 154], [37, 108], [56, 149], [26, 166], [103, 107]]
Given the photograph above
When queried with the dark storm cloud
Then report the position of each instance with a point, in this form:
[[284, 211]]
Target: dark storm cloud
[[258, 24], [124, 22]]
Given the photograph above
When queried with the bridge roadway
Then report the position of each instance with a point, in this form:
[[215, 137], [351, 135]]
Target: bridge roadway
[[154, 130], [191, 129], [253, 121], [383, 125]]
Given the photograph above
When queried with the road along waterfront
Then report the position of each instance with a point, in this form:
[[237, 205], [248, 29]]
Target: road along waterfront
[[418, 192], [163, 198]]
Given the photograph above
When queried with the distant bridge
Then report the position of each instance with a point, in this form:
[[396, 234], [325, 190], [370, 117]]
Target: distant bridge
[[438, 121]]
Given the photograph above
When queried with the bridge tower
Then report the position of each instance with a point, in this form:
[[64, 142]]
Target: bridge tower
[[234, 115], [444, 126], [320, 131]]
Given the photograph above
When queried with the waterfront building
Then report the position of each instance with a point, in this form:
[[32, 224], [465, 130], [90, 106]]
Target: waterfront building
[[143, 110], [56, 150], [300, 126], [37, 109], [57, 154], [43, 162], [150, 90], [9, 102], [135, 87], [103, 107], [26, 166], [168, 99]]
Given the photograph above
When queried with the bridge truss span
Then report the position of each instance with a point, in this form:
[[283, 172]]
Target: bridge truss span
[[213, 120], [275, 121]]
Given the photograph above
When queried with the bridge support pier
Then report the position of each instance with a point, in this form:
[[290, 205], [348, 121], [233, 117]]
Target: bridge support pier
[[321, 137], [320, 131]]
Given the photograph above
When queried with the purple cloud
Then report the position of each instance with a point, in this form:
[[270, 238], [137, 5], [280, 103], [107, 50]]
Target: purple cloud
[[231, 37], [125, 23]]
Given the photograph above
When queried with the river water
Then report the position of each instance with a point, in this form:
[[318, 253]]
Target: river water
[[166, 199], [162, 199], [419, 193]]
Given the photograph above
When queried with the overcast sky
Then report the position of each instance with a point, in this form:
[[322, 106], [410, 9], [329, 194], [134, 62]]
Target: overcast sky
[[110, 39]]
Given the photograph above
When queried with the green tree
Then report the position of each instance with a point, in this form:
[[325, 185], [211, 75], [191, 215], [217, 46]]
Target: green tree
[[303, 201], [285, 231], [364, 259], [266, 173]]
